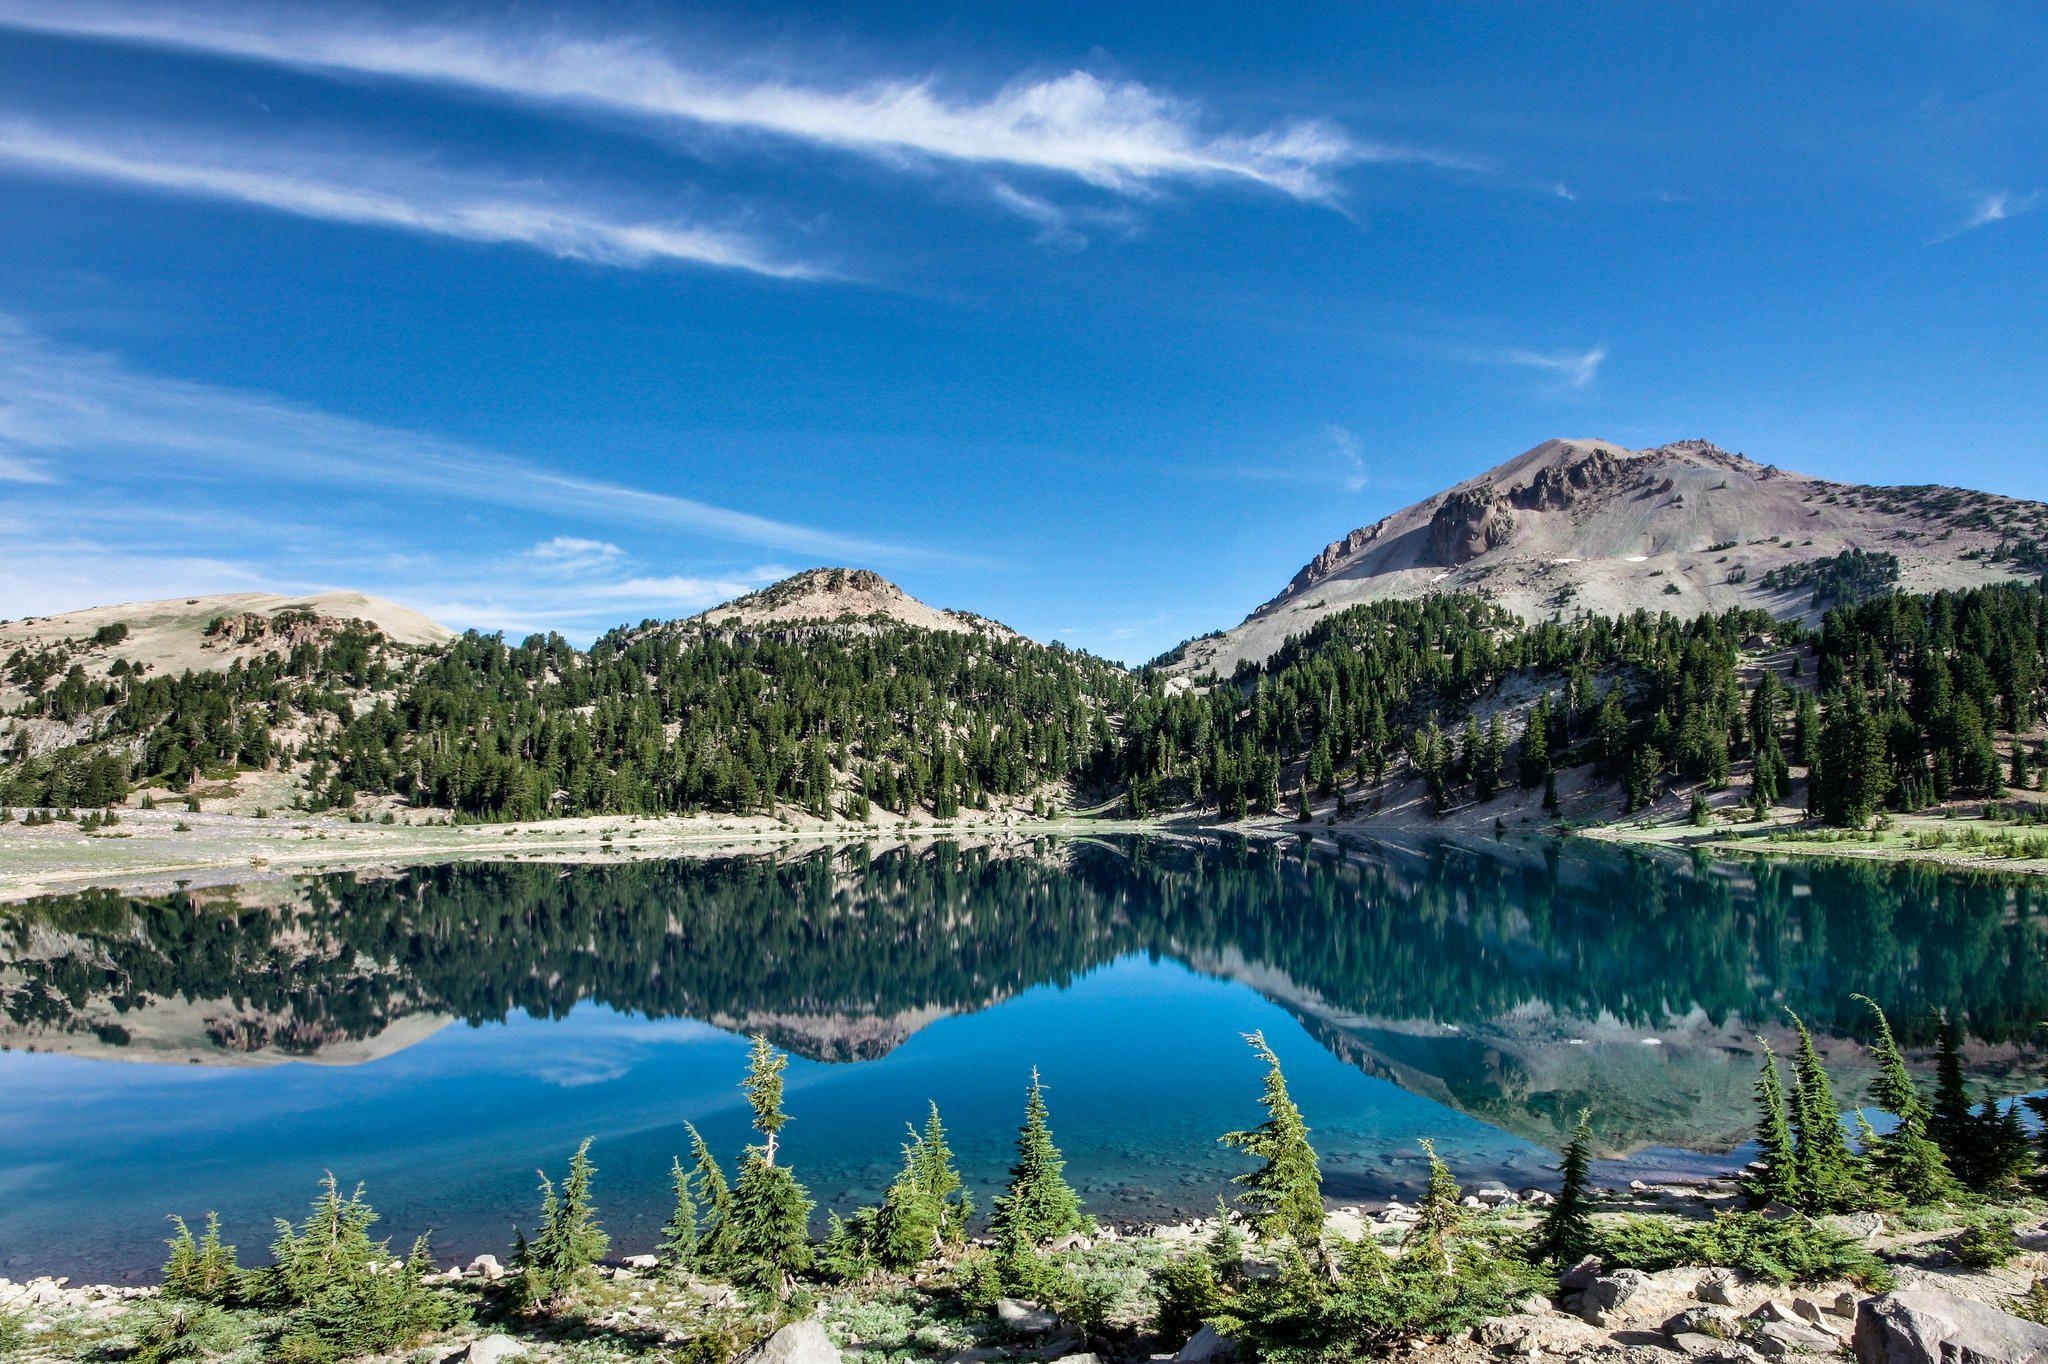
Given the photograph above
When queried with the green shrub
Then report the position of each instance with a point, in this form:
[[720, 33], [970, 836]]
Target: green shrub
[[1189, 1294], [1301, 1317], [1791, 1250], [202, 1270], [344, 1293], [12, 1333], [168, 1332], [1989, 1243], [2032, 1304]]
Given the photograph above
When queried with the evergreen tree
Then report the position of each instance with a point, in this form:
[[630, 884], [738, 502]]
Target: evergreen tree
[[1953, 1124], [1778, 1180], [770, 1211], [202, 1270], [561, 1254], [714, 1195], [1567, 1231], [1284, 1196], [1906, 1158], [1440, 1214], [679, 1234], [924, 1210], [2008, 1155], [1039, 1203], [1827, 1169]]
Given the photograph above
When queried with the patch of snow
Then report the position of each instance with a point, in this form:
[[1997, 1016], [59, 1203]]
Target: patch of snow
[[1637, 558]]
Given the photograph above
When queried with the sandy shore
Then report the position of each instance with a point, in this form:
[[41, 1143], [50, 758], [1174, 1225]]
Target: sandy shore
[[162, 850]]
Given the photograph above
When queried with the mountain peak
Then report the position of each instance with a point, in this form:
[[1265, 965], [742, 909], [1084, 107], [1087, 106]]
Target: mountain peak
[[1589, 525], [841, 595]]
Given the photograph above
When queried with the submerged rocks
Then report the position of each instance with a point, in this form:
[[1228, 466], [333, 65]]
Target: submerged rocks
[[1921, 1326]]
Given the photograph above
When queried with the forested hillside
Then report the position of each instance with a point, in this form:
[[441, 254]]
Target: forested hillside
[[1897, 702]]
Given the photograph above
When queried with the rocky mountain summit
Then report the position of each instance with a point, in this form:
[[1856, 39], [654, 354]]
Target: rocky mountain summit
[[1590, 526], [845, 596]]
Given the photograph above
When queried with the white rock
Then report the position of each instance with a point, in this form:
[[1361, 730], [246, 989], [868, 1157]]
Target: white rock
[[640, 1262], [489, 1350], [1921, 1326], [800, 1342], [1025, 1317], [1207, 1346], [487, 1267]]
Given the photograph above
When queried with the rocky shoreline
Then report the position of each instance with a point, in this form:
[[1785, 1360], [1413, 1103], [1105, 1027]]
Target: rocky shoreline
[[1937, 1310]]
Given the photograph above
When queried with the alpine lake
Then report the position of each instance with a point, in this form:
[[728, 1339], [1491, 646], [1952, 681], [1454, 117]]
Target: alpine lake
[[440, 1033]]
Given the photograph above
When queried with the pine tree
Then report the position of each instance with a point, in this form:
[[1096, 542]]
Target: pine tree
[[941, 1181], [1284, 1196], [770, 1212], [1039, 1203], [202, 1270], [924, 1210], [1567, 1231], [1953, 1124], [2008, 1155], [707, 1182], [560, 1256], [1226, 1246], [1440, 1214], [1778, 1181], [679, 1235], [1906, 1158], [1826, 1167]]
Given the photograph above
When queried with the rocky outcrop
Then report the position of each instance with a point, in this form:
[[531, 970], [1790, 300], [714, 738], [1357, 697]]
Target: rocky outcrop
[[1556, 487], [1920, 1326], [1334, 556], [1468, 523]]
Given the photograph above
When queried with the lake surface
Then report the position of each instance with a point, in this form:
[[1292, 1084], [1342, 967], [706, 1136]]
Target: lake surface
[[440, 1032]]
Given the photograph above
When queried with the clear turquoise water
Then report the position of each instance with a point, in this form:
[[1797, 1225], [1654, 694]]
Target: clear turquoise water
[[1472, 996]]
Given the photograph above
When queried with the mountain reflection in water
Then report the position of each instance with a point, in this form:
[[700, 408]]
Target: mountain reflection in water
[[1511, 984]]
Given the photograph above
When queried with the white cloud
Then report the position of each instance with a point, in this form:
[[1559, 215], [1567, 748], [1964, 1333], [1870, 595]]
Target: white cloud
[[1120, 134], [1349, 458], [1334, 459], [573, 555], [1995, 208], [82, 406], [374, 192], [1578, 369]]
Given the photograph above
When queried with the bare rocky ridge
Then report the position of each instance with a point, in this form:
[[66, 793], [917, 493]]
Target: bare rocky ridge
[[208, 634], [848, 595], [1589, 526]]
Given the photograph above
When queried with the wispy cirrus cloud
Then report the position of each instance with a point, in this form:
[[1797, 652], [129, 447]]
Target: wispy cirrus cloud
[[1575, 369], [1119, 134], [60, 403], [1996, 207], [373, 191], [1335, 459]]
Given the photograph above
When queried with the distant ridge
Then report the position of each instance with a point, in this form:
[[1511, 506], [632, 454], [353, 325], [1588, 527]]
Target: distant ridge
[[208, 633], [1590, 526]]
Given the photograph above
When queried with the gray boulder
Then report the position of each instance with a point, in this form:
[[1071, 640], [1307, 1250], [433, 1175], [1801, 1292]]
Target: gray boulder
[[800, 1342], [1921, 1326], [490, 1350], [1025, 1317], [1705, 1319], [1207, 1346], [1524, 1335], [1776, 1339]]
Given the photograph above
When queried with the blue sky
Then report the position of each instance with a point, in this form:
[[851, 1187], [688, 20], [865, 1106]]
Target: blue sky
[[1096, 319]]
